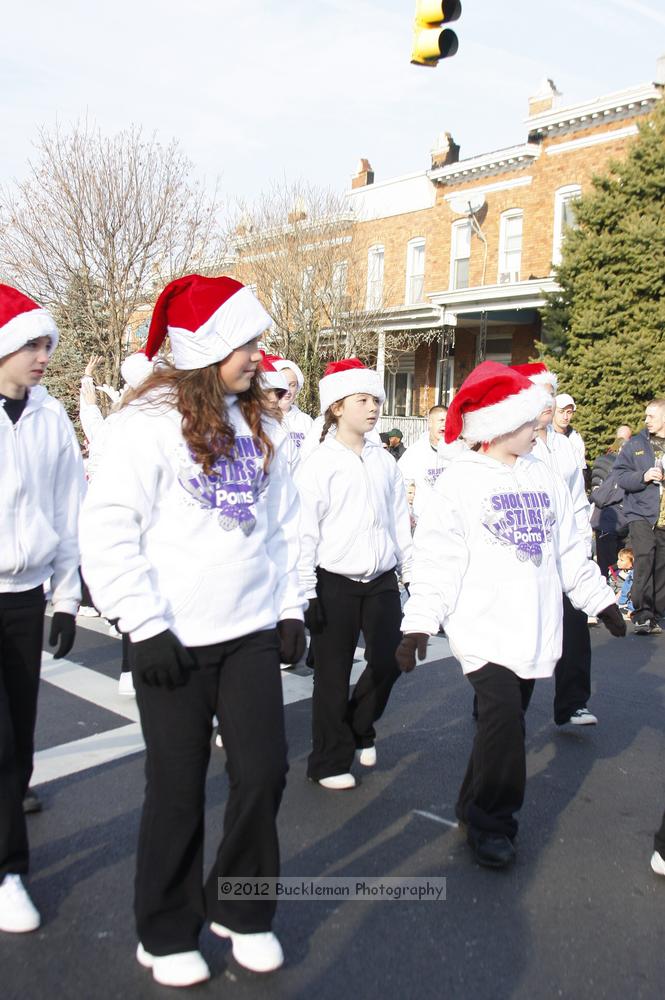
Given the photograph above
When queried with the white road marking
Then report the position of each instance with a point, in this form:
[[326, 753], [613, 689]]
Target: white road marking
[[437, 819], [102, 748]]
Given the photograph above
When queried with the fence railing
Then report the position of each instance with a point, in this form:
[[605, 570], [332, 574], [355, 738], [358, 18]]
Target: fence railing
[[411, 427]]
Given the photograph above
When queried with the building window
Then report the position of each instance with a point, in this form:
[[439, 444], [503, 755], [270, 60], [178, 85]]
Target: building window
[[564, 216], [415, 271], [399, 393], [510, 246], [339, 281], [460, 253], [375, 278]]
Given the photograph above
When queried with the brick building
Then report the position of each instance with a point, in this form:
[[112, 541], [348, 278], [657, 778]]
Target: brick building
[[463, 251]]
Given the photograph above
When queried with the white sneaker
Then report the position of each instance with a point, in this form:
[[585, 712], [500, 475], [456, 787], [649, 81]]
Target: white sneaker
[[338, 782], [18, 913], [218, 740], [183, 968], [286, 666], [367, 756], [113, 632], [87, 612], [583, 717], [256, 952], [126, 685], [592, 620], [658, 863]]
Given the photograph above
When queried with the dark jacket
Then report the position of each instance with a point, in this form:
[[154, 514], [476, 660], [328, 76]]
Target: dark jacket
[[642, 500], [397, 451], [608, 517], [601, 468]]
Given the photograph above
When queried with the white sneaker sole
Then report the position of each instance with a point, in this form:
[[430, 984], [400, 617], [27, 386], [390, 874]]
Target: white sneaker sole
[[185, 968], [260, 952], [338, 782], [367, 756], [658, 863]]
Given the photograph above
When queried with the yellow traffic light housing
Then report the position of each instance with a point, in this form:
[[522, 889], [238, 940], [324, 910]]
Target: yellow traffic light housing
[[430, 43]]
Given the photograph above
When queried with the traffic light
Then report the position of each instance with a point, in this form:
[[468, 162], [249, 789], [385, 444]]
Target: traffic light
[[430, 43]]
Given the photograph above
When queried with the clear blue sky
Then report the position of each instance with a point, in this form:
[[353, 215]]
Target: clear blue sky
[[262, 90]]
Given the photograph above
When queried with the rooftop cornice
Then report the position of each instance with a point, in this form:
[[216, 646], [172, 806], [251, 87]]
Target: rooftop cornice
[[511, 158], [634, 100]]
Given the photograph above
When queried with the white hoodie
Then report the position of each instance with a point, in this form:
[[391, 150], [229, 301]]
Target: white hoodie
[[491, 558], [354, 518], [313, 439], [423, 464], [558, 454], [165, 546], [41, 483], [298, 425]]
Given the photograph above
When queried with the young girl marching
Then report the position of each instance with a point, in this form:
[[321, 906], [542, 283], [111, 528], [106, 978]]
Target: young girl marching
[[355, 537], [295, 421], [500, 515], [189, 538]]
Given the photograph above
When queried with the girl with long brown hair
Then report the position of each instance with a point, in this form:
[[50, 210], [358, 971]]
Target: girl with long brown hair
[[189, 539]]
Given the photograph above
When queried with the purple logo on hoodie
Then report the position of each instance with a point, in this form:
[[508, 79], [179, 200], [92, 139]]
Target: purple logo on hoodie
[[523, 519], [233, 487]]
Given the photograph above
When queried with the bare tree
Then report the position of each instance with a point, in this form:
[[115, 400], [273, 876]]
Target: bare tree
[[97, 228], [295, 246]]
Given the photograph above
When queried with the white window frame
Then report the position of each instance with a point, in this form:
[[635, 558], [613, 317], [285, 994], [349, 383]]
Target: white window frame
[[414, 292], [374, 297], [571, 192], [458, 226], [507, 266]]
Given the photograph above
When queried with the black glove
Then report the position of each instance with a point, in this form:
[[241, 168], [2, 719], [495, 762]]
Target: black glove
[[291, 640], [314, 619], [613, 621], [162, 660], [406, 651], [63, 632]]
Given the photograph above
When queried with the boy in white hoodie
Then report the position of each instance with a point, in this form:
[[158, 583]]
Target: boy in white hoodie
[[189, 539], [500, 514], [297, 423], [41, 479], [355, 535]]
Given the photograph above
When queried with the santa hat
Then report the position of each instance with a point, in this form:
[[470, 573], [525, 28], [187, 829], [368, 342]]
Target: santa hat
[[281, 363], [22, 320], [206, 319], [272, 378], [538, 373], [493, 400], [343, 378]]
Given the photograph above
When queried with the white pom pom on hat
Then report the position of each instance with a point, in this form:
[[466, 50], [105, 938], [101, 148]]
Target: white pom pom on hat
[[206, 319], [22, 320]]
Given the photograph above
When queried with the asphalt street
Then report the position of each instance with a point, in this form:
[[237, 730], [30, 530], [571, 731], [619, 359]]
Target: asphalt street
[[579, 915]]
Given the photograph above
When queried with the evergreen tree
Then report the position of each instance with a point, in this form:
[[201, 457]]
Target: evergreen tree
[[605, 331]]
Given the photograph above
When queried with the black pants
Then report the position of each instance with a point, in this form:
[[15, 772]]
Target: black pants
[[607, 549], [648, 593], [659, 839], [493, 787], [240, 682], [341, 724], [21, 629], [572, 674]]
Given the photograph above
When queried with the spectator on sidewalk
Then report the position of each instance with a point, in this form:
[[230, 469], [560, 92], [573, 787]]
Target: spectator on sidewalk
[[639, 471], [395, 446], [562, 423], [41, 482], [608, 519], [624, 432]]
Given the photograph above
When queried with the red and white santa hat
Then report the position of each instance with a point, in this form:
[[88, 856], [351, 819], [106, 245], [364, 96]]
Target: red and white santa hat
[[206, 319], [22, 320], [538, 373], [343, 378], [493, 400], [282, 363], [272, 378]]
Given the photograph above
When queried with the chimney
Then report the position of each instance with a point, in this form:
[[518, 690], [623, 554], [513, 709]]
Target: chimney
[[446, 151], [546, 98], [660, 72], [364, 175]]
